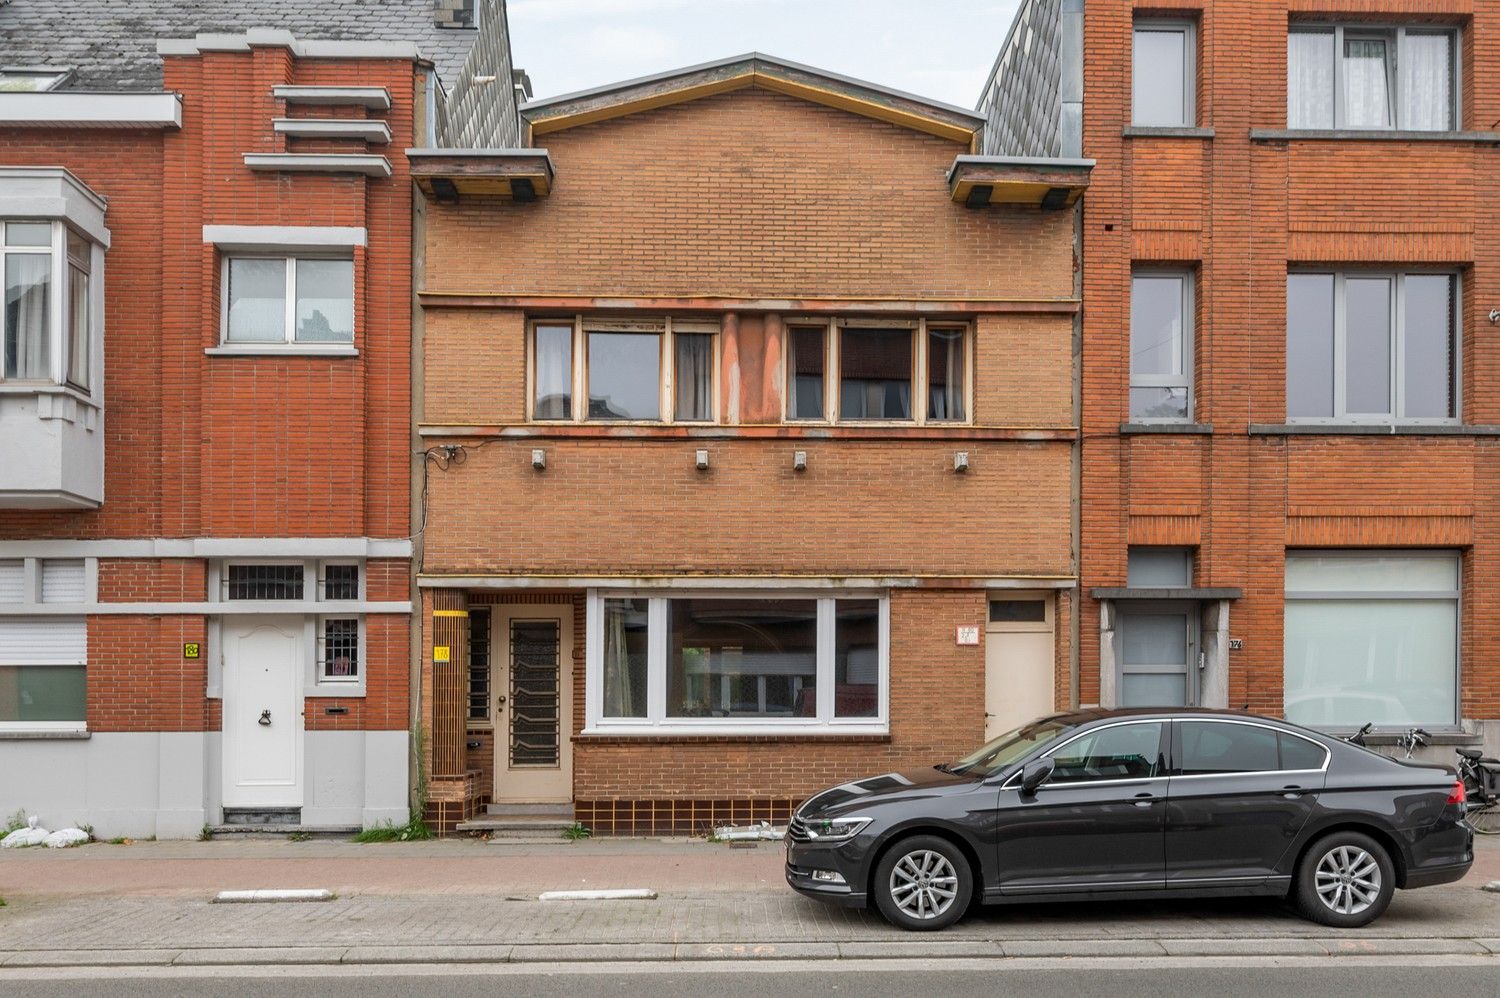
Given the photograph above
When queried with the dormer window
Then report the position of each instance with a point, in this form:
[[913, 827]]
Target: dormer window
[[31, 80], [49, 312]]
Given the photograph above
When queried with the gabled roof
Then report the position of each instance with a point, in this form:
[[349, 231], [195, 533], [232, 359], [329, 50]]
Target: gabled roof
[[110, 45], [754, 69]]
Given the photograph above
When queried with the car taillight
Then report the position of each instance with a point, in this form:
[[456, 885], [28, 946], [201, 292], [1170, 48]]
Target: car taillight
[[1458, 794]]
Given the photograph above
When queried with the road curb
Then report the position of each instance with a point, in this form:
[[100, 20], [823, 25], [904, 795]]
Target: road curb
[[655, 952]]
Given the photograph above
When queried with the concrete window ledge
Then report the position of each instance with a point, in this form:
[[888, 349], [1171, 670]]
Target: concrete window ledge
[[1368, 429], [283, 350], [1368, 135], [1190, 429], [45, 736], [1165, 132]]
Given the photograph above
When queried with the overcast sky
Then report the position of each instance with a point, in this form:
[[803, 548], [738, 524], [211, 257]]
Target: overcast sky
[[941, 49]]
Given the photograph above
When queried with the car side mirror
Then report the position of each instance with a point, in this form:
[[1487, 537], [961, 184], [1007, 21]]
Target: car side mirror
[[1036, 773]]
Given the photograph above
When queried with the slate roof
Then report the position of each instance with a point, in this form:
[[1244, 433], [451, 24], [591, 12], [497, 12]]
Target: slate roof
[[111, 44]]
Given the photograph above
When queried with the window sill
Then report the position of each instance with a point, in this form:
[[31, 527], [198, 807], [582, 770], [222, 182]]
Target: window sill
[[44, 734], [46, 388], [1189, 429], [283, 350], [1373, 429], [775, 431], [1166, 132], [1369, 135]]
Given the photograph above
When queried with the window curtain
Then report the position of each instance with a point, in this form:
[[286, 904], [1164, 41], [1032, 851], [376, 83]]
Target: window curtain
[[1429, 82], [554, 373], [946, 383], [619, 694], [1309, 79], [1367, 83], [695, 358], [28, 291]]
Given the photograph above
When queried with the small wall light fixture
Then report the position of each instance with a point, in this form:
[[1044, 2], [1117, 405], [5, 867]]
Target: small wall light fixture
[[799, 461], [1494, 316], [702, 460], [539, 459], [960, 461]]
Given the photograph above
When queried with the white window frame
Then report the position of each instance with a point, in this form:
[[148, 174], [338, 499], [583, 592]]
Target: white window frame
[[656, 721], [59, 271], [289, 342], [31, 599], [320, 649], [1455, 596], [665, 329], [1395, 35], [1184, 380], [1189, 31], [833, 331], [1341, 416]]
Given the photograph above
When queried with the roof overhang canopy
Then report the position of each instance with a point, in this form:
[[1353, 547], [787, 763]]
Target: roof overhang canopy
[[81, 109], [977, 181], [447, 174], [752, 70]]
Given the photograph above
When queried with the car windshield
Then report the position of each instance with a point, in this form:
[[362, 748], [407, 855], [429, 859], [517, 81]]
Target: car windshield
[[1009, 748]]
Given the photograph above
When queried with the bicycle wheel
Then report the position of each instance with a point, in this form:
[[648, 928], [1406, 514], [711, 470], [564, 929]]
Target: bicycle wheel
[[1485, 818]]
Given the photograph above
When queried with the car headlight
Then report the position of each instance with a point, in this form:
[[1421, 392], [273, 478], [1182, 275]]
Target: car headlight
[[835, 829]]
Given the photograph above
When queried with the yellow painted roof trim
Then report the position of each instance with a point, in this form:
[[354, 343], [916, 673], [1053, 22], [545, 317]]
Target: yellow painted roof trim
[[765, 81]]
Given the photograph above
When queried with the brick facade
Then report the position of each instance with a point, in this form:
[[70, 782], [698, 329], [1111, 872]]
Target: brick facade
[[747, 195], [1239, 211]]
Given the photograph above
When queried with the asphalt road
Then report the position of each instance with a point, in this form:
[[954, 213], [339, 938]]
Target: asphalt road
[[1240, 979]]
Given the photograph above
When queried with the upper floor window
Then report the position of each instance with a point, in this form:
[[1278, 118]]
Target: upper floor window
[[860, 370], [1164, 78], [1372, 347], [628, 371], [1358, 76], [49, 311], [1161, 346], [279, 299], [27, 80]]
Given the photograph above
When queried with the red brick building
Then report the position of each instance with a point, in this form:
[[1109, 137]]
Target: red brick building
[[1289, 393], [205, 405], [748, 409]]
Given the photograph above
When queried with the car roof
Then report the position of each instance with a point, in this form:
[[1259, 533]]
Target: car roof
[[1090, 714]]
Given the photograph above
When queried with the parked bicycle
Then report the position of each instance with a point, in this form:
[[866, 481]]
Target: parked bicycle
[[1481, 778]]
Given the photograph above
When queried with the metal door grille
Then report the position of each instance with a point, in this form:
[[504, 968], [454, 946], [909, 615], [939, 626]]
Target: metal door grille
[[535, 692]]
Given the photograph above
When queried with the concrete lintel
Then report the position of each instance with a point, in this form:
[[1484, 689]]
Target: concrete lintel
[[318, 162], [211, 547], [256, 238], [80, 109], [1169, 593], [780, 582]]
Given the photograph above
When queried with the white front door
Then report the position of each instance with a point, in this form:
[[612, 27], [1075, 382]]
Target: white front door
[[1019, 661], [263, 674], [533, 653]]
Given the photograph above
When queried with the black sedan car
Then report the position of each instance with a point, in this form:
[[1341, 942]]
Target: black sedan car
[[1136, 803]]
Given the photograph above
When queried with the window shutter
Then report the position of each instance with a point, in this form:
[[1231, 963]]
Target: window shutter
[[43, 641], [63, 581], [12, 580]]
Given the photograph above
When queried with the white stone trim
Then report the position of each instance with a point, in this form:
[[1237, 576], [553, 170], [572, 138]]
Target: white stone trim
[[212, 547], [277, 37], [284, 238], [82, 110], [282, 350], [346, 608], [681, 582], [374, 98], [288, 162], [370, 130], [52, 193]]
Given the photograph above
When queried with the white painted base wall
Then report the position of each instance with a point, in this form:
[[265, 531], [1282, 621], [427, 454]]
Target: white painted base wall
[[167, 784]]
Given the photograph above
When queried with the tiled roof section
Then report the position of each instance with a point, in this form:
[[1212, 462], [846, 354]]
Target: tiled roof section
[[111, 44], [1032, 101]]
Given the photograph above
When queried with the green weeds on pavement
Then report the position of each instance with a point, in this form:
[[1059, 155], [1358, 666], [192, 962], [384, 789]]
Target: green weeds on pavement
[[577, 831], [413, 831]]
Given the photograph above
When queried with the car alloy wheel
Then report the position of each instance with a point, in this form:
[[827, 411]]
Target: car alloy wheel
[[924, 884], [1348, 880]]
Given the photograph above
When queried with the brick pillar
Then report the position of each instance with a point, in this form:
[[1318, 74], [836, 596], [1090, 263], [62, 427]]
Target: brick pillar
[[450, 639]]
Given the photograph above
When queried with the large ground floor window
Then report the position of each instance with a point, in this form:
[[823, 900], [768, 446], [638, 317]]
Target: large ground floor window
[[1372, 636], [729, 661]]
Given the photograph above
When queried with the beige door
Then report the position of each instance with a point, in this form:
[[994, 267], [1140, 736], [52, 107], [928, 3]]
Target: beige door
[[1019, 661], [533, 653]]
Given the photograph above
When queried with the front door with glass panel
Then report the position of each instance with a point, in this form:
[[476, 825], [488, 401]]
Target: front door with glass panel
[[533, 693], [1159, 656]]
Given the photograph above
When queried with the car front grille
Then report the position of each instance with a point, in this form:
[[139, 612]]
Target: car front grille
[[796, 830]]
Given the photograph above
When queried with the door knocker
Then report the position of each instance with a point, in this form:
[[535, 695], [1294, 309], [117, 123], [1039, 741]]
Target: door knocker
[[265, 718]]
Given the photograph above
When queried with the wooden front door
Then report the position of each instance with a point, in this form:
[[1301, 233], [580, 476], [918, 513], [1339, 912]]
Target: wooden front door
[[533, 692]]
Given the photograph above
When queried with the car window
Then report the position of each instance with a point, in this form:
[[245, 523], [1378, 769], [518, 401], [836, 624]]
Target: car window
[[1299, 753], [1121, 752], [1213, 747]]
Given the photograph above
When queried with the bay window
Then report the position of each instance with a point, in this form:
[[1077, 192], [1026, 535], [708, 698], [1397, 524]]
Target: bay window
[[1361, 76], [727, 663], [1372, 347], [47, 323], [1372, 636]]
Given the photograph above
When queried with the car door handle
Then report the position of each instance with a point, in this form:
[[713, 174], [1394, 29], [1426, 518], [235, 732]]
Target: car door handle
[[1145, 800], [1291, 792]]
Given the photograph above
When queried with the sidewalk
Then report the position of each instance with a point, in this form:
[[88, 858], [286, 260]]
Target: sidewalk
[[148, 904]]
